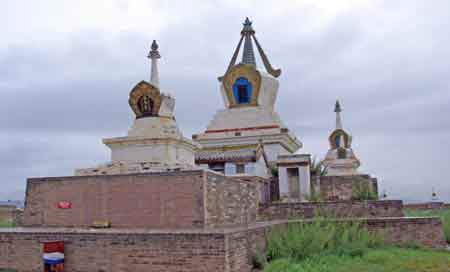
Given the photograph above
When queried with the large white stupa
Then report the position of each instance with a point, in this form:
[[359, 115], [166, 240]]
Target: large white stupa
[[249, 119]]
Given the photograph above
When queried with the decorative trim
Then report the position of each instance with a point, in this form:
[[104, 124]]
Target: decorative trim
[[141, 89], [333, 135], [251, 74], [241, 129], [292, 164]]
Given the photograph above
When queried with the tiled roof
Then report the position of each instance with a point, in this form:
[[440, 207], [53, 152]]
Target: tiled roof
[[246, 154]]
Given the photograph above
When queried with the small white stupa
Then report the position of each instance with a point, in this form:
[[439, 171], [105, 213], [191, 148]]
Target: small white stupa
[[340, 159], [154, 143]]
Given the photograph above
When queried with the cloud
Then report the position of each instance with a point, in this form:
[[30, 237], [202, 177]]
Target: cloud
[[66, 70]]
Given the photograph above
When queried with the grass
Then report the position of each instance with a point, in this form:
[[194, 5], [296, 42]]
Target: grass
[[6, 223], [375, 260], [300, 241], [323, 246], [444, 214]]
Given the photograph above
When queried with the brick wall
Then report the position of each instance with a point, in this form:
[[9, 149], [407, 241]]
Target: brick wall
[[228, 250], [230, 202], [424, 231], [139, 200], [187, 199], [427, 206], [109, 252], [243, 245], [333, 209], [113, 250], [342, 187]]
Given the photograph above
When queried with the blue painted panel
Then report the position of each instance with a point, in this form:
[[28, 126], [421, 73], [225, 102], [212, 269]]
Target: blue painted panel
[[242, 82], [338, 140]]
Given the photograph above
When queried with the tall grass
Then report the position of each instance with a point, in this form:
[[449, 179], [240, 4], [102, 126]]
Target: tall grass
[[376, 260], [6, 223], [300, 241], [444, 214]]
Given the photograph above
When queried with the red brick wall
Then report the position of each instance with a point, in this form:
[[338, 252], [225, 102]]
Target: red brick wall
[[188, 199], [243, 245], [229, 250], [109, 252], [172, 200], [334, 209]]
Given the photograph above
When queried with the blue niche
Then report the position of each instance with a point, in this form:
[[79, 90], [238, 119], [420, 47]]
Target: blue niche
[[242, 91], [338, 141]]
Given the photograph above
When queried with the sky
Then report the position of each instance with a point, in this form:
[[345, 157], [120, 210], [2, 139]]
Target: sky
[[67, 67]]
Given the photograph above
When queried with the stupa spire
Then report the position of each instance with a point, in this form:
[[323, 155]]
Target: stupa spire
[[153, 55], [248, 56], [338, 110]]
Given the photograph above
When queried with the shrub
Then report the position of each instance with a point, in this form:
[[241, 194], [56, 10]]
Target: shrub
[[445, 217], [363, 190], [299, 241], [6, 224]]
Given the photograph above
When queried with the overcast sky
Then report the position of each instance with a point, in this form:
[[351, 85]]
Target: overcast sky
[[67, 67]]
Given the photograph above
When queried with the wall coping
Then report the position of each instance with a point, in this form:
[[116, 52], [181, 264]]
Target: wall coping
[[165, 173], [318, 203], [206, 231]]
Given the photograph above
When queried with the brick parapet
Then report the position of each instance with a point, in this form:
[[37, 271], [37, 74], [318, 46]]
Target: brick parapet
[[182, 250], [184, 199], [342, 187], [333, 209], [427, 206]]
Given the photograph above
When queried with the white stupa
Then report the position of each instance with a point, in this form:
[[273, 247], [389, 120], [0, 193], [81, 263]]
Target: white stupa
[[340, 159], [154, 143], [249, 119]]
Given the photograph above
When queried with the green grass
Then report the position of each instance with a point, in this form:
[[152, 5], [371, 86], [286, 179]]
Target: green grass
[[6, 223], [323, 246], [300, 241], [375, 260], [303, 240], [443, 213]]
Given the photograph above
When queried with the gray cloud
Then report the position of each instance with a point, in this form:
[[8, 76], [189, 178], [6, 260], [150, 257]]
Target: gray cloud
[[388, 64]]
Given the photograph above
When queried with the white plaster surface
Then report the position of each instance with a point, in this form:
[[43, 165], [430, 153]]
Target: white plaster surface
[[155, 127], [283, 181], [304, 176], [341, 167]]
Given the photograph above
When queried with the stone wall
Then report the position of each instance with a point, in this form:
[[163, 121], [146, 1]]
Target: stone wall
[[343, 187], [230, 201], [333, 209]]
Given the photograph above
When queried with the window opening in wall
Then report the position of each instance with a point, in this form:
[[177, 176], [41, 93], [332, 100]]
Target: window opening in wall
[[294, 182], [240, 168], [218, 167]]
